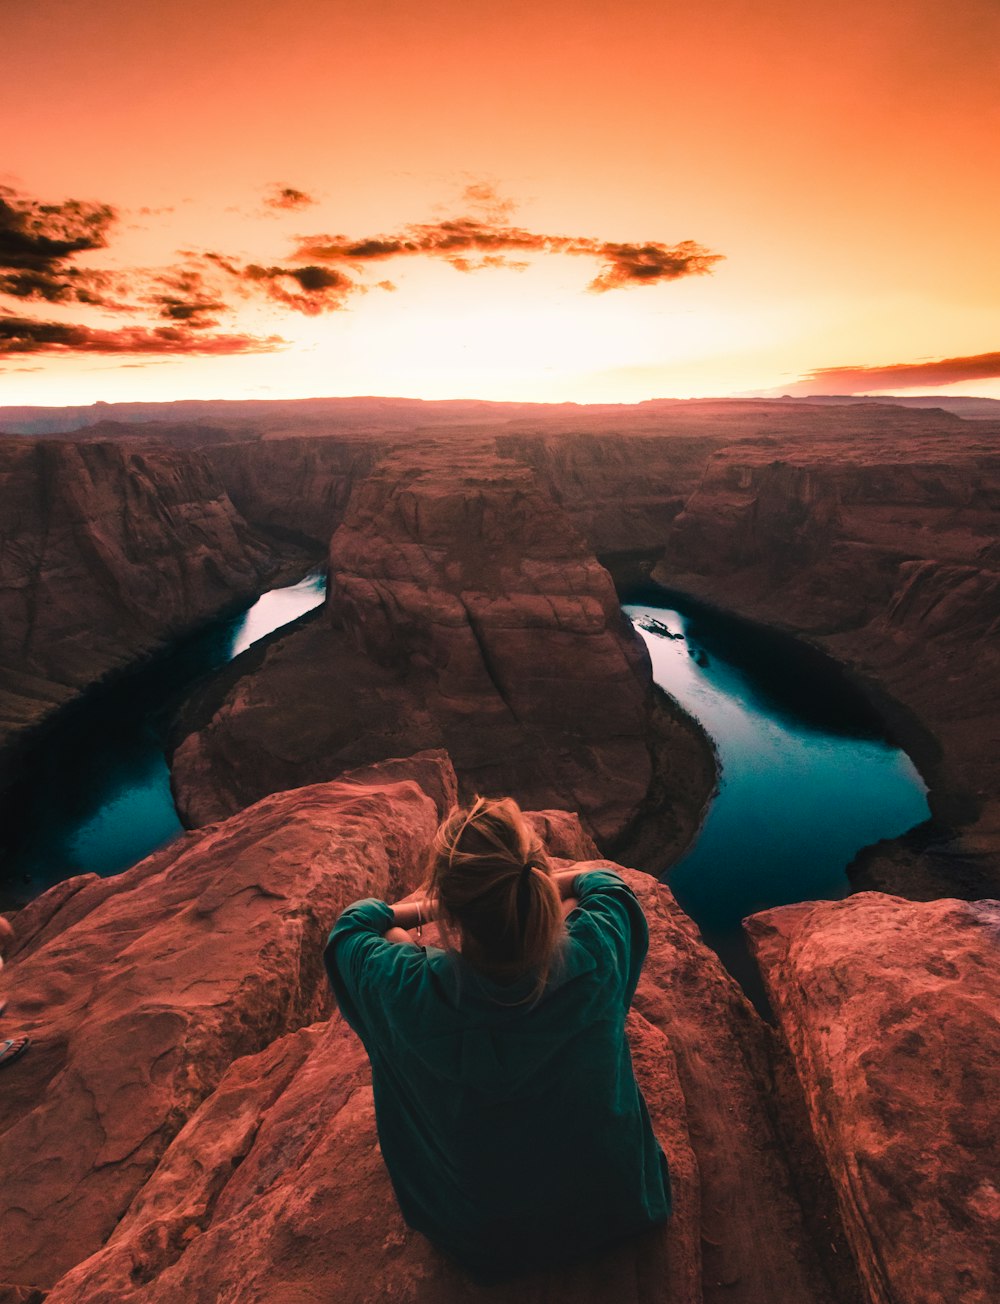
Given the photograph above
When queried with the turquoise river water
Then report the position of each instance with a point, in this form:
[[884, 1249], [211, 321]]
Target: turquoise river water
[[808, 776]]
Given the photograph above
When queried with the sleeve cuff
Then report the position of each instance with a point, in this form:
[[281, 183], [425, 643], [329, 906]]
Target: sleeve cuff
[[367, 916], [596, 880]]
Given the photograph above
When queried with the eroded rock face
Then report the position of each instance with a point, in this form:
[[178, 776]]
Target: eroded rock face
[[621, 489], [191, 1124], [139, 991], [107, 551], [883, 550], [465, 612], [890, 1010], [295, 488]]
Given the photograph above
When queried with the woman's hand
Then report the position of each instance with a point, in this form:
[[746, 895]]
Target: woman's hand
[[408, 915]]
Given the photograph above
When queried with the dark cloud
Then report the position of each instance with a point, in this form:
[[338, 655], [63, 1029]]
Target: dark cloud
[[20, 335], [899, 375], [287, 198], [182, 295], [308, 289], [471, 243], [38, 242], [630, 264]]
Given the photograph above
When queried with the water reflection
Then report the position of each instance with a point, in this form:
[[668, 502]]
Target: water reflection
[[94, 794], [807, 776]]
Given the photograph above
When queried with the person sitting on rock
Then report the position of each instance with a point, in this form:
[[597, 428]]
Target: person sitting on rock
[[11, 1048], [508, 1114]]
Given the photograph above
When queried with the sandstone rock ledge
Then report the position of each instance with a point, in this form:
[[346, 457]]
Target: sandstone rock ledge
[[108, 551], [193, 1125], [890, 1009]]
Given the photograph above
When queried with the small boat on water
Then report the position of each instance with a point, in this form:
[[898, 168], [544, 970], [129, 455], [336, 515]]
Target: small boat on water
[[654, 626]]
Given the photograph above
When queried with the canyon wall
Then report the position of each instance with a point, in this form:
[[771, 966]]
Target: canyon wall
[[296, 487], [106, 552], [884, 553], [621, 490], [463, 611]]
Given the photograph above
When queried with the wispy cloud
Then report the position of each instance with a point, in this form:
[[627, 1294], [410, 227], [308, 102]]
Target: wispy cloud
[[19, 335], [308, 289], [898, 375], [472, 243], [183, 295], [287, 199], [185, 303]]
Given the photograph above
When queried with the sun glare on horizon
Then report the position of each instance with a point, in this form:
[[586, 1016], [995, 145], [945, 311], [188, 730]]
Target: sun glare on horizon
[[581, 229]]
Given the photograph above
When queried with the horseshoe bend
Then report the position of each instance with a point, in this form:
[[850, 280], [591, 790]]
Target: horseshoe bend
[[193, 1111]]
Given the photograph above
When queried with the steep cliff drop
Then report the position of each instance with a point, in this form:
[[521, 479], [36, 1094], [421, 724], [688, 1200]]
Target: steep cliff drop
[[889, 1010], [192, 1124], [882, 551], [108, 550], [465, 612]]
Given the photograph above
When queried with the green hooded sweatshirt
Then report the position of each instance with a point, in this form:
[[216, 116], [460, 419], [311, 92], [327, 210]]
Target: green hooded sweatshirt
[[514, 1131]]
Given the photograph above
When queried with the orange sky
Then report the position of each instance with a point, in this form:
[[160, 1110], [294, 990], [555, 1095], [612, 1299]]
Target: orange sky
[[842, 160]]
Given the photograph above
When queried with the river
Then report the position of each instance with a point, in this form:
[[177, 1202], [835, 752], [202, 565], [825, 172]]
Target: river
[[94, 793], [808, 773], [808, 776]]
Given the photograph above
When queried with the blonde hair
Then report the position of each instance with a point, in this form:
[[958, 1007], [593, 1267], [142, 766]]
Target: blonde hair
[[497, 903]]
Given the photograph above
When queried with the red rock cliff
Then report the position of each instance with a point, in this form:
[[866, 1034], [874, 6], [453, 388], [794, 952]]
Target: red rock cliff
[[889, 1009], [464, 611], [106, 551], [191, 1124], [883, 550]]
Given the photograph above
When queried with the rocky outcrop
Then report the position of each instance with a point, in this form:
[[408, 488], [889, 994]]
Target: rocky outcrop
[[883, 552], [889, 1009], [191, 1124], [106, 551], [139, 992], [463, 612]]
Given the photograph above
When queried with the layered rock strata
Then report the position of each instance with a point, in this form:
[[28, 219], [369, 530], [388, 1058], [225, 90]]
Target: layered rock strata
[[106, 552], [621, 490], [464, 612], [139, 992], [885, 554], [889, 1009], [295, 488], [191, 1123]]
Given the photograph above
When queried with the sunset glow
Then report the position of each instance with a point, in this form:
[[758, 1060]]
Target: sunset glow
[[556, 201]]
